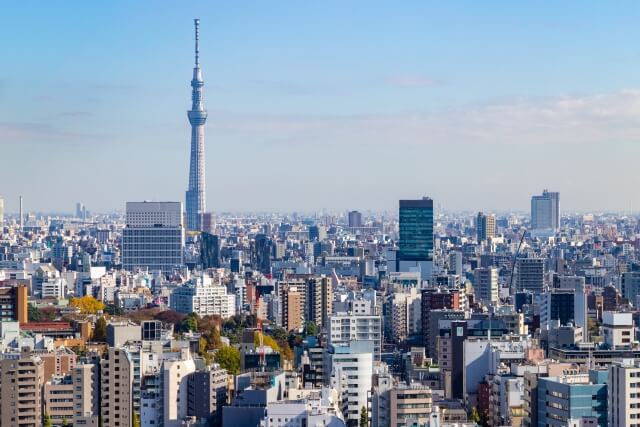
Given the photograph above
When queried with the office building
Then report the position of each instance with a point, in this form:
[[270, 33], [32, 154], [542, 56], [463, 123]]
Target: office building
[[209, 250], [355, 219], [624, 394], [410, 405], [195, 195], [545, 211], [618, 329], [153, 238], [415, 251], [485, 285], [21, 383], [485, 226], [529, 275], [567, 397], [261, 254]]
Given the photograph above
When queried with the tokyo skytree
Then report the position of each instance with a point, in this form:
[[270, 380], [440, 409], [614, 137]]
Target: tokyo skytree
[[195, 194]]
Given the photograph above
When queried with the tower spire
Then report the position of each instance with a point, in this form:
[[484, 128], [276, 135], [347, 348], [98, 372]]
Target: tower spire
[[197, 25]]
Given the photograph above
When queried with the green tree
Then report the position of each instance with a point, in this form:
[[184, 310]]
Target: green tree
[[215, 341], [47, 420], [190, 323], [33, 314], [228, 358], [100, 331], [475, 415], [135, 419], [65, 423], [364, 417], [311, 328]]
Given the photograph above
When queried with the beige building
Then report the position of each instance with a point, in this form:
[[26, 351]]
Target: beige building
[[21, 375], [624, 394], [409, 405], [175, 374], [116, 383], [293, 302], [86, 380], [58, 399]]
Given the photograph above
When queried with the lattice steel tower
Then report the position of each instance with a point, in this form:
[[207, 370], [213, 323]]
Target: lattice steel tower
[[195, 195]]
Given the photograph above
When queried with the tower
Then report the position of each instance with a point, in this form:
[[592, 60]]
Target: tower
[[195, 195]]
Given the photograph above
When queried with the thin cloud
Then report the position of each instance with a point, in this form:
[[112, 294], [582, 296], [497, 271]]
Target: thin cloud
[[601, 118], [411, 80]]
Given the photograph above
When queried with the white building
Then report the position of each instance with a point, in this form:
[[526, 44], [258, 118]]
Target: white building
[[617, 329], [153, 238], [350, 369], [200, 295], [349, 327], [545, 211]]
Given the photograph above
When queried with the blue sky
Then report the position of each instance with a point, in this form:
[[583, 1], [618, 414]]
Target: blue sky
[[332, 105]]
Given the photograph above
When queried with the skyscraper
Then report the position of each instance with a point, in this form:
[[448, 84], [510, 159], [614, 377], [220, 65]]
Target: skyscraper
[[545, 211], [195, 195], [416, 236], [355, 219]]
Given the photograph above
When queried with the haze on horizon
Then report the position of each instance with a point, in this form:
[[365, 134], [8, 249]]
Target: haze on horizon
[[332, 105]]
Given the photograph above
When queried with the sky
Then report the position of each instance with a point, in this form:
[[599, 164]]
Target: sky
[[322, 105]]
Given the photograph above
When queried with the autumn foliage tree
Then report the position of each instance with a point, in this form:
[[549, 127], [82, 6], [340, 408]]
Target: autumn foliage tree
[[87, 304]]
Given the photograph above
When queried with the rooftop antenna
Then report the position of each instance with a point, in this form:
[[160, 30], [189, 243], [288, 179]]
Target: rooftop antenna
[[197, 25]]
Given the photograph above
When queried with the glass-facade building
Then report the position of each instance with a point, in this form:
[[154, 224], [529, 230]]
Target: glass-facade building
[[416, 230], [209, 250], [572, 397]]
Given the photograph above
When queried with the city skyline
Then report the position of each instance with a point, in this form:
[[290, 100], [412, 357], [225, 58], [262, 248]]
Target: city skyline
[[397, 101]]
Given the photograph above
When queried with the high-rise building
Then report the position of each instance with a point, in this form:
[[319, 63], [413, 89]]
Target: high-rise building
[[116, 392], [209, 250], [208, 393], [545, 211], [485, 226], [529, 274], [86, 380], [416, 236], [58, 399], [624, 399], [153, 238], [319, 300], [485, 286], [347, 328], [355, 219], [293, 297], [261, 253], [195, 195], [1, 212], [21, 383]]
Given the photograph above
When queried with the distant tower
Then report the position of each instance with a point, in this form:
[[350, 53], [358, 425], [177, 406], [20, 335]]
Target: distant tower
[[195, 195], [21, 216]]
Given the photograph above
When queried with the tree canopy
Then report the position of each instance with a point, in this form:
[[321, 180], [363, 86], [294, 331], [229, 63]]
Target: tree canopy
[[87, 304], [228, 358]]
